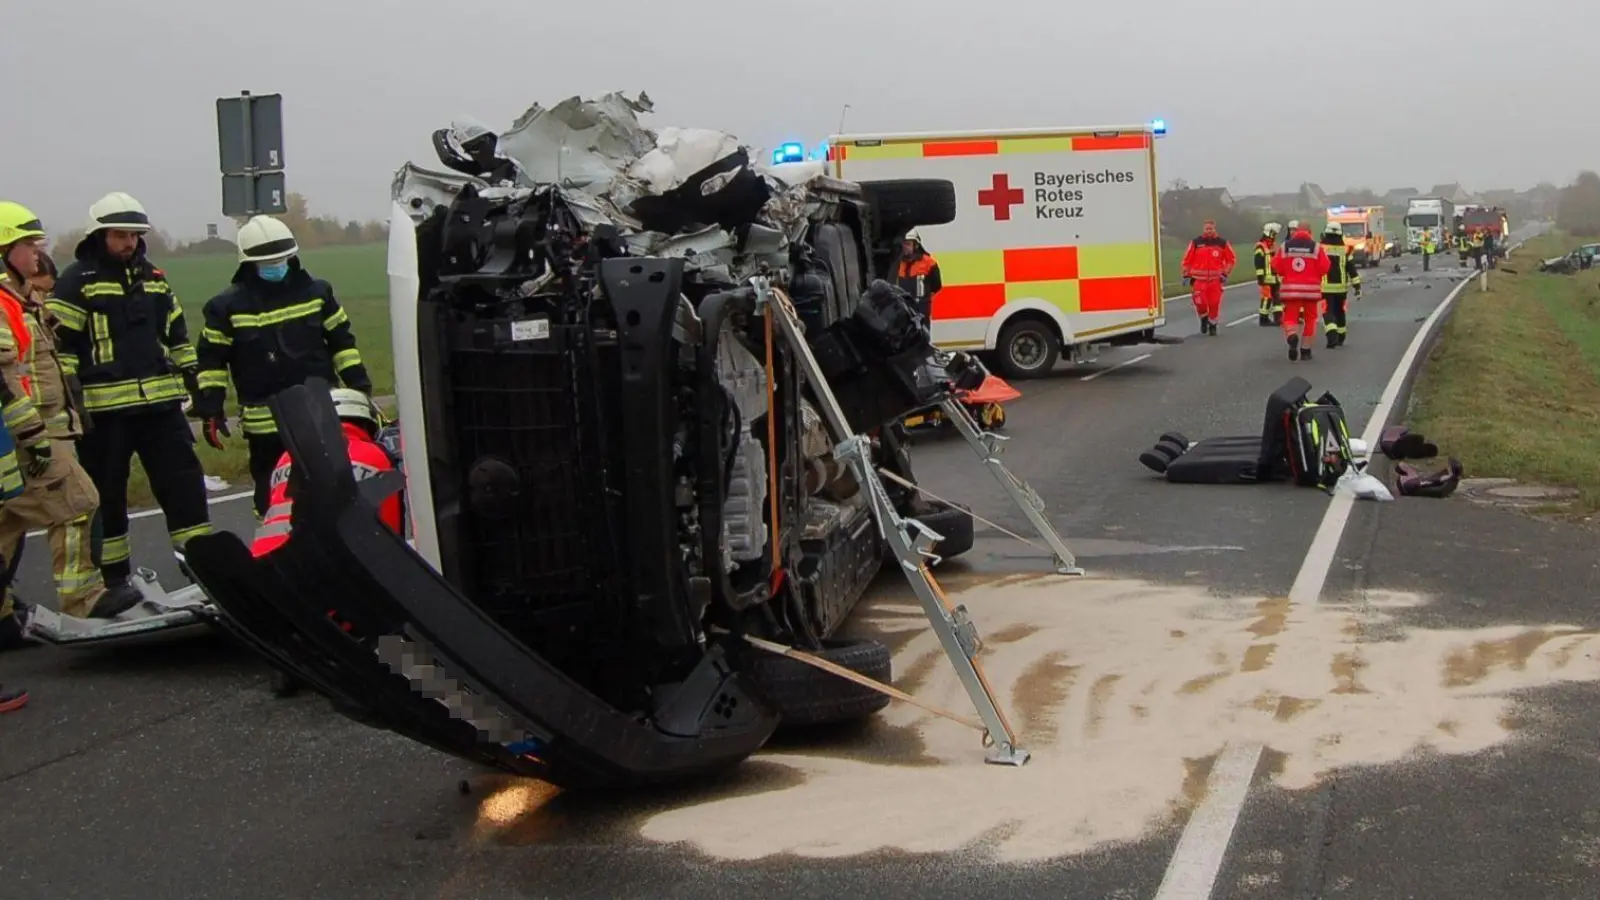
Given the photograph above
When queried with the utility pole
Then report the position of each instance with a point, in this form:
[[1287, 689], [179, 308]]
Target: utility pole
[[250, 152]]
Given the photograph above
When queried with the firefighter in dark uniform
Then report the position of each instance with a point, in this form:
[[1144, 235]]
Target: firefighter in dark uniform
[[272, 329], [121, 331], [1342, 277], [918, 274]]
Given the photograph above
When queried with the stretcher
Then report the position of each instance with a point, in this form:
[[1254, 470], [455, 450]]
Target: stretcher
[[161, 616], [984, 403]]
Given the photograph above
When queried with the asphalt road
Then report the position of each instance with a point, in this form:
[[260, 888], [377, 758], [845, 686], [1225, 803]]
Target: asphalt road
[[170, 771]]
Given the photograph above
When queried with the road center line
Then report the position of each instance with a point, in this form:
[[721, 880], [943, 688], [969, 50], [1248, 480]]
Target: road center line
[[1197, 861]]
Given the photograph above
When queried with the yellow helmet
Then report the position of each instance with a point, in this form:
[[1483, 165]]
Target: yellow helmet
[[18, 223]]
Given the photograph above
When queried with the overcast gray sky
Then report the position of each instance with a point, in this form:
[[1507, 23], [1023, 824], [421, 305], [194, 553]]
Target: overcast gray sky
[[1258, 95]]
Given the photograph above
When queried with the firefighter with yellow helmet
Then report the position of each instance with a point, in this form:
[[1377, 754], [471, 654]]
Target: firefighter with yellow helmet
[[122, 332], [43, 417], [273, 328]]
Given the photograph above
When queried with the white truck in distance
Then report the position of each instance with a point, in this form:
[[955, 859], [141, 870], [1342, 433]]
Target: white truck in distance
[[1432, 214]]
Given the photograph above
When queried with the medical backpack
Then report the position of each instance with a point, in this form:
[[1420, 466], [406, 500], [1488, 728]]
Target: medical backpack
[[1319, 442]]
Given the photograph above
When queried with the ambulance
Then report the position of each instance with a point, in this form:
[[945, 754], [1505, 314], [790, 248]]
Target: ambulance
[[1055, 248], [1364, 234]]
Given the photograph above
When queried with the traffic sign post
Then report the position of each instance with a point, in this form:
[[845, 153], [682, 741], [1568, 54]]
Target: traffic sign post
[[250, 154]]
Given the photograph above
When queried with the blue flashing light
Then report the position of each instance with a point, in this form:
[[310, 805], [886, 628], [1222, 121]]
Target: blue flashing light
[[792, 151], [1159, 126], [821, 153]]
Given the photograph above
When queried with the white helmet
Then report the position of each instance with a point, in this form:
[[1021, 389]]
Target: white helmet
[[117, 211], [1333, 228], [1294, 224], [1271, 229], [354, 406], [913, 235], [265, 239]]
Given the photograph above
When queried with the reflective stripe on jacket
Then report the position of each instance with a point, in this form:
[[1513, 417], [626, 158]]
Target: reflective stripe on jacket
[[268, 337], [119, 328], [1263, 261], [367, 458], [17, 404], [1208, 258], [1341, 272], [63, 417], [1300, 263]]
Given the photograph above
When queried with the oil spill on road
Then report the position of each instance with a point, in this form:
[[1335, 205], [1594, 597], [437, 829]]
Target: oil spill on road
[[1121, 689]]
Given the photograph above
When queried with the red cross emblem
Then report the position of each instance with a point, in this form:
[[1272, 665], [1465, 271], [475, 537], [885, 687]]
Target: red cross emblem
[[1001, 197]]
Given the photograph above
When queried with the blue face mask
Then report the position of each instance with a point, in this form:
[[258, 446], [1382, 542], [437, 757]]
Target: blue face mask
[[273, 271]]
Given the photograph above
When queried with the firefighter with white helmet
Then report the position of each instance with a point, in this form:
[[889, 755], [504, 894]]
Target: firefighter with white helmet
[[121, 330], [918, 273], [273, 328], [1267, 281], [1342, 277]]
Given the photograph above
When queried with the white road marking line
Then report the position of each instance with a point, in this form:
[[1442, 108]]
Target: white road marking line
[[1192, 872], [147, 513], [1243, 319], [1127, 362]]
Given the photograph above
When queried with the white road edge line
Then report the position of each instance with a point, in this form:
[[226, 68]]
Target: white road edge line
[[1127, 362], [1192, 872]]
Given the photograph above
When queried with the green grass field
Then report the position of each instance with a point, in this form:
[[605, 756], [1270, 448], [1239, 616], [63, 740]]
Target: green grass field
[[1513, 386]]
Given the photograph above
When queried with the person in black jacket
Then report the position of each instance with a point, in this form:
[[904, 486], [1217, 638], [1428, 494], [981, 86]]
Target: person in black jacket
[[275, 327], [120, 330]]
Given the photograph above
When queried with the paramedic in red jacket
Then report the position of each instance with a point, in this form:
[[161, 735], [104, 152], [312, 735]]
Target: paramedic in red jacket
[[1301, 262], [1207, 264], [367, 458]]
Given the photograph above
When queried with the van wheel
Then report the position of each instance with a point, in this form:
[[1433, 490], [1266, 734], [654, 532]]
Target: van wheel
[[903, 204], [1028, 348], [803, 695]]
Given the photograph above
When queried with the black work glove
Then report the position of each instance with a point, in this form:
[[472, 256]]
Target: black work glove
[[40, 458], [216, 428]]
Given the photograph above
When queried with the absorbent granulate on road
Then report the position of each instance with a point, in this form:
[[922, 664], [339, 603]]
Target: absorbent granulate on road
[[1125, 691]]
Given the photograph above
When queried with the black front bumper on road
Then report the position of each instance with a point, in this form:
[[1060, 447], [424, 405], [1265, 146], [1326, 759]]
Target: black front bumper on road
[[351, 609]]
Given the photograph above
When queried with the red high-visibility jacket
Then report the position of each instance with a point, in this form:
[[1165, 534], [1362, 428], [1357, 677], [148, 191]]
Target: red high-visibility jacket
[[1209, 258], [366, 458], [1300, 263]]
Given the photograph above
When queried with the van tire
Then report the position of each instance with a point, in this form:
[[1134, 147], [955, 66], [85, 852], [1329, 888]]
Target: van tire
[[1035, 339], [806, 696], [900, 205]]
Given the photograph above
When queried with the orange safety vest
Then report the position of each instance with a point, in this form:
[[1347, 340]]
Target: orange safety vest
[[367, 459], [17, 319]]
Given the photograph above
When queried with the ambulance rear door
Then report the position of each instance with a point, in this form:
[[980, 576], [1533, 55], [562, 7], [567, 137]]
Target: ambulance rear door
[[1055, 226]]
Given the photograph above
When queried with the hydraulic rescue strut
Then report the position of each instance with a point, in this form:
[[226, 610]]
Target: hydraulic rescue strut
[[912, 541]]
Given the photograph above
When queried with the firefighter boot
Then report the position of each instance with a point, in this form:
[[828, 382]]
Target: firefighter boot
[[1294, 347], [118, 599]]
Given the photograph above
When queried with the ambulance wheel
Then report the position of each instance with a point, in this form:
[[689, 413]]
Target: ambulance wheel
[[903, 204], [1028, 348]]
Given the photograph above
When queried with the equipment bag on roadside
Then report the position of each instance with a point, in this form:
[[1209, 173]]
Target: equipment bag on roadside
[[1319, 442]]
